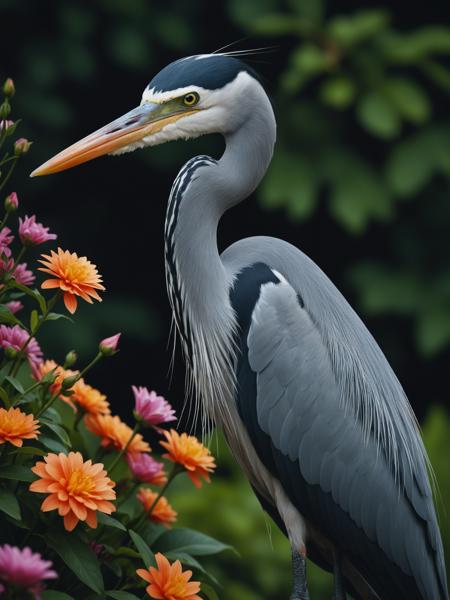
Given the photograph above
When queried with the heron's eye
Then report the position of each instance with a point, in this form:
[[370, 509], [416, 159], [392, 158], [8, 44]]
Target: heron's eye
[[191, 99]]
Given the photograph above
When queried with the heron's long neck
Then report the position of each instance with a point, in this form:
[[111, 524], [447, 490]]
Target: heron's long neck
[[198, 283]]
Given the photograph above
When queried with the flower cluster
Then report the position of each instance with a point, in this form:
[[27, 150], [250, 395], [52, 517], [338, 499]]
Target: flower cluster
[[82, 490]]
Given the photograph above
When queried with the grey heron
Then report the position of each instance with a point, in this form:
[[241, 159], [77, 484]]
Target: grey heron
[[307, 401]]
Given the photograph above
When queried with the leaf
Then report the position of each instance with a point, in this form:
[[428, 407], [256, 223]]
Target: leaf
[[34, 320], [56, 316], [32, 450], [78, 557], [146, 554], [410, 99], [338, 92], [17, 385], [4, 396], [6, 316], [57, 430], [209, 591], [189, 561], [119, 595], [378, 115], [191, 542], [110, 522], [55, 595], [350, 30], [128, 552], [52, 444], [9, 504], [433, 330], [17, 473]]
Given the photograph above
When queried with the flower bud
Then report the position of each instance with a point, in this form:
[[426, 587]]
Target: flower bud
[[11, 202], [70, 360], [49, 378], [68, 382], [6, 124], [8, 88], [108, 346], [10, 353], [5, 109], [21, 146]]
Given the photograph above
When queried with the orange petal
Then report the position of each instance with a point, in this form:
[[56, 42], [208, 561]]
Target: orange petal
[[49, 284], [70, 521], [71, 302]]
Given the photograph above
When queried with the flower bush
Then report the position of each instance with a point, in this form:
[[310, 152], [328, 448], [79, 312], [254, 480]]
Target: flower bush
[[83, 505]]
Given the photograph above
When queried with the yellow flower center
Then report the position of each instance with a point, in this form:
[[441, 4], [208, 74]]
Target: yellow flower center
[[79, 483]]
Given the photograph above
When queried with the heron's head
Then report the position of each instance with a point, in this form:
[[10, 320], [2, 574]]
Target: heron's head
[[190, 97]]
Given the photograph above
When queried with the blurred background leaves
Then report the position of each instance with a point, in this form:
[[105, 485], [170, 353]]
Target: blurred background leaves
[[359, 181]]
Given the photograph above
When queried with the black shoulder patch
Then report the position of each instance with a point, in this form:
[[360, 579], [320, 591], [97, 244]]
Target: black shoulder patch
[[246, 289], [211, 72]]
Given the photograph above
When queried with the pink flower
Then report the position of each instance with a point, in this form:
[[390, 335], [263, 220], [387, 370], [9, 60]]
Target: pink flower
[[21, 146], [16, 337], [108, 346], [11, 202], [5, 241], [14, 306], [32, 233], [24, 569], [23, 275], [6, 124], [146, 469], [151, 408]]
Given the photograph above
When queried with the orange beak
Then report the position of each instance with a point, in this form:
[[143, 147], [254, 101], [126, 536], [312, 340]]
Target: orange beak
[[141, 122]]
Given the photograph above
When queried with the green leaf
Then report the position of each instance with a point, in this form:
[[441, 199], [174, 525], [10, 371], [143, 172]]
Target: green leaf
[[189, 561], [110, 522], [146, 554], [15, 383], [379, 115], [6, 316], [119, 595], [57, 430], [9, 504], [30, 450], [410, 99], [52, 444], [55, 595], [412, 47], [128, 552], [209, 592], [17, 473], [56, 316], [338, 92], [78, 557], [350, 30], [433, 331], [4, 396], [190, 542], [34, 320]]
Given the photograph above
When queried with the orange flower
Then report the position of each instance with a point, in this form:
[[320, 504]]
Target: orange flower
[[16, 426], [61, 374], [186, 450], [169, 581], [115, 433], [162, 512], [77, 489], [75, 276], [89, 398]]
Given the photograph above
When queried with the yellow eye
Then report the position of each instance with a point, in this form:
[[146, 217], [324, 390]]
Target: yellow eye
[[191, 99]]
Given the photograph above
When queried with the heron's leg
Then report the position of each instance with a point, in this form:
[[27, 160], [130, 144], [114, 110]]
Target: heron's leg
[[300, 591], [338, 580]]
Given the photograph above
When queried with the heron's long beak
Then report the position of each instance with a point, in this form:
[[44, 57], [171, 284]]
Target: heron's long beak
[[141, 122]]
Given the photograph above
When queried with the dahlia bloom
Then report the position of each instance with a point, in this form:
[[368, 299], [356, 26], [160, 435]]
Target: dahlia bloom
[[14, 306], [16, 426], [151, 408], [32, 233], [146, 469], [5, 241], [168, 581], [24, 569], [75, 276], [187, 451], [114, 433], [77, 489], [162, 512], [16, 337], [23, 275], [90, 399]]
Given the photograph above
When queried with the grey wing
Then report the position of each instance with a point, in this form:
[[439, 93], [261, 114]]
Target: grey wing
[[336, 475]]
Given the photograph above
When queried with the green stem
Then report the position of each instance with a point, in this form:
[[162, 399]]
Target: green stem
[[8, 175], [80, 415], [46, 405], [147, 513], [18, 259], [93, 362], [124, 449], [25, 392], [127, 495]]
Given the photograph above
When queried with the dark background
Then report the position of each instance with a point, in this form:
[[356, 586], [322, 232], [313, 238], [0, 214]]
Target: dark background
[[360, 178]]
